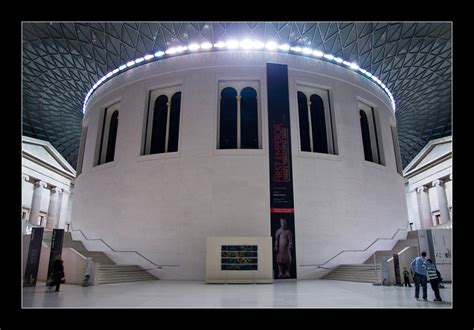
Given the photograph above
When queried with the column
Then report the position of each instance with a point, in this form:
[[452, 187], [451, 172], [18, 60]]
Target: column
[[64, 214], [424, 207], [54, 208], [38, 196], [442, 200]]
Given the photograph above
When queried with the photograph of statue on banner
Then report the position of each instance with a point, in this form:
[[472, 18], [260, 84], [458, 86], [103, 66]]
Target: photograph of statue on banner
[[283, 248]]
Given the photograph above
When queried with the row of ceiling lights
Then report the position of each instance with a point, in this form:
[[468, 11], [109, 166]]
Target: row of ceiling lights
[[245, 45]]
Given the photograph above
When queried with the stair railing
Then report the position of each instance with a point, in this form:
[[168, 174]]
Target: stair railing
[[136, 252], [345, 251]]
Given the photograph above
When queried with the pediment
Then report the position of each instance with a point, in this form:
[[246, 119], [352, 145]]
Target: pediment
[[433, 151]]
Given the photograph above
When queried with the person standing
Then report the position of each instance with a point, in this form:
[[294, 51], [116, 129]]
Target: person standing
[[433, 278], [406, 277], [418, 268]]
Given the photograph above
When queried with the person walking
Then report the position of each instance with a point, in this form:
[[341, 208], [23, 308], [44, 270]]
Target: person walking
[[433, 278], [418, 269], [58, 272]]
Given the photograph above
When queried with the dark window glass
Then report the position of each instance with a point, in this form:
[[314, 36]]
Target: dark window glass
[[318, 124], [158, 133], [249, 119], [174, 122], [304, 125], [228, 119], [364, 125], [109, 156]]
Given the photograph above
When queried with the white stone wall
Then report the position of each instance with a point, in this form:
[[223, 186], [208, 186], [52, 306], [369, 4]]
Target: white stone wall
[[165, 206]]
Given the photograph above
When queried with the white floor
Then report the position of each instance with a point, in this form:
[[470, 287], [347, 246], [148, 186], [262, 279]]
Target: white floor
[[190, 294]]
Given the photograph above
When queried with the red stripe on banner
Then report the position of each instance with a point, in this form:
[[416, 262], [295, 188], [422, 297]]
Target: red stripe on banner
[[277, 210]]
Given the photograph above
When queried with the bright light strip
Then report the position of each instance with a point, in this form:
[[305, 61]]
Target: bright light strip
[[258, 45], [232, 44], [194, 47], [170, 51], [271, 45], [318, 53], [246, 44]]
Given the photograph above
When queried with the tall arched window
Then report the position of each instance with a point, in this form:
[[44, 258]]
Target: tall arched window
[[109, 157], [160, 117], [108, 135], [304, 122], [162, 124], [315, 120], [173, 135], [82, 147], [364, 126], [370, 136], [228, 119], [239, 115], [249, 119], [318, 123]]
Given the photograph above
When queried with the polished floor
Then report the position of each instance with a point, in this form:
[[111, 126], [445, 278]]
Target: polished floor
[[191, 294]]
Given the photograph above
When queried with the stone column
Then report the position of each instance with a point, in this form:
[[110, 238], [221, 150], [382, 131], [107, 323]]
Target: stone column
[[54, 208], [38, 196], [424, 207], [442, 200], [64, 215]]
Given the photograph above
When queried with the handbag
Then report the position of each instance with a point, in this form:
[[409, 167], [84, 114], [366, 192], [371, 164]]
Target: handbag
[[63, 280]]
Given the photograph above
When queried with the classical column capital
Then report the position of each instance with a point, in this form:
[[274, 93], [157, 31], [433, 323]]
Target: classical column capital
[[421, 189], [26, 177], [56, 190], [40, 184], [438, 183]]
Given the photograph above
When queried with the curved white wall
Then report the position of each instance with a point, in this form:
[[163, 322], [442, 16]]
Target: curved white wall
[[166, 205]]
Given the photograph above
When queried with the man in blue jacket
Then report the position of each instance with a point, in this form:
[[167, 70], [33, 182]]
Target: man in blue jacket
[[418, 268]]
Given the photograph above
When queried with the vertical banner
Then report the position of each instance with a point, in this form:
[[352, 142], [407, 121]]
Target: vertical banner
[[281, 184], [34, 253], [56, 248]]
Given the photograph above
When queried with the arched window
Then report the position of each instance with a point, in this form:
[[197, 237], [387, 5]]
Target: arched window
[[304, 122], [249, 119], [239, 115], [315, 121], [228, 119], [162, 123], [371, 135], [173, 135], [112, 137], [364, 126], [160, 116], [81, 150], [105, 151]]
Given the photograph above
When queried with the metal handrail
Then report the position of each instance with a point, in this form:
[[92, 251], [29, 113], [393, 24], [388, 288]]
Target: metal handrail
[[138, 253], [343, 251]]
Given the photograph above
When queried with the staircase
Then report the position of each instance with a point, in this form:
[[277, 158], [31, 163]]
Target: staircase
[[109, 272], [366, 272]]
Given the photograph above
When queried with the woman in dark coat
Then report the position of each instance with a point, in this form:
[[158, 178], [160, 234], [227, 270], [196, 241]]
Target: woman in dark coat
[[58, 272]]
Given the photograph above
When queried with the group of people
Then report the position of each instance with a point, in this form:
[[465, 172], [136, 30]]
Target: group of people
[[423, 271]]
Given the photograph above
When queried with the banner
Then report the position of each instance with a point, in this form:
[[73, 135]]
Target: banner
[[281, 184], [34, 253], [396, 264], [56, 248]]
